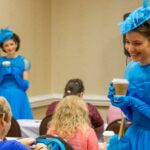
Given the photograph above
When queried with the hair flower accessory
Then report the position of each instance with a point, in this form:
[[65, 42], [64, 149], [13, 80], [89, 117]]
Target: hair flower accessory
[[5, 34], [136, 18], [68, 91]]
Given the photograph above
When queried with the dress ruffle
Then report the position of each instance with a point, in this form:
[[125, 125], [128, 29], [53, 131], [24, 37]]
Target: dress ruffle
[[116, 144]]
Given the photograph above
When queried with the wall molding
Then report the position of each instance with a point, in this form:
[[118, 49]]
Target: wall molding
[[43, 100]]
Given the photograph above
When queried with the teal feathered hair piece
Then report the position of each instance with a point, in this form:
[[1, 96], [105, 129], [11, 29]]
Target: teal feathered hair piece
[[145, 3], [5, 34], [136, 18]]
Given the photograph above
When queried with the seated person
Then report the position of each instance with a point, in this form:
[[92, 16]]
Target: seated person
[[76, 87], [70, 122], [5, 124]]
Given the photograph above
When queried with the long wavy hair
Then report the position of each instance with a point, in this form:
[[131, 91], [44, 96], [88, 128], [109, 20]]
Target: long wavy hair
[[70, 114]]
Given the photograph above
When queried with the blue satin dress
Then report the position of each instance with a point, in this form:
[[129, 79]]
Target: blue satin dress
[[138, 134], [9, 88]]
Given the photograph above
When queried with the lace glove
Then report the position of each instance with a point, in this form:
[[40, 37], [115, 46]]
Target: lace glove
[[23, 84]]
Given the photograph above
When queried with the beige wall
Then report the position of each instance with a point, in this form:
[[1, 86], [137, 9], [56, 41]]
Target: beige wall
[[67, 39], [86, 42], [31, 19]]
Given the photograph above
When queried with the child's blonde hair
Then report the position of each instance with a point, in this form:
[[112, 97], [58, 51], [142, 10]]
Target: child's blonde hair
[[70, 114], [5, 109]]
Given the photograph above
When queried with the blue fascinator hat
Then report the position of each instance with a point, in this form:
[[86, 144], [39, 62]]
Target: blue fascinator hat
[[136, 18], [5, 34]]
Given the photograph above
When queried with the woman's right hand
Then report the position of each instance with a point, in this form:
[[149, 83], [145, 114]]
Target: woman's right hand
[[111, 92]]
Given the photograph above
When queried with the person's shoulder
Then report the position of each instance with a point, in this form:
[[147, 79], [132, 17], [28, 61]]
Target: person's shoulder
[[54, 103], [26, 61], [51, 107], [90, 131], [24, 58], [132, 64], [2, 58], [91, 107]]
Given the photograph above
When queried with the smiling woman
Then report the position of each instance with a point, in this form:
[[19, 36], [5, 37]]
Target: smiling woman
[[136, 104], [138, 45], [14, 75]]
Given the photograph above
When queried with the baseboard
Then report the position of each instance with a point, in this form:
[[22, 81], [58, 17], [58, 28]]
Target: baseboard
[[43, 100]]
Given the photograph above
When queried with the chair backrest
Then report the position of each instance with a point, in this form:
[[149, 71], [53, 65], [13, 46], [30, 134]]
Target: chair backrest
[[113, 114], [43, 126], [64, 142], [115, 125], [15, 130]]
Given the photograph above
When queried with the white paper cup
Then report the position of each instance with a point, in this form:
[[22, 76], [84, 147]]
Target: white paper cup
[[107, 135], [121, 86], [6, 63]]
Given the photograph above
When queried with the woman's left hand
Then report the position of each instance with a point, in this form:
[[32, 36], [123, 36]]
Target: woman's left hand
[[120, 101]]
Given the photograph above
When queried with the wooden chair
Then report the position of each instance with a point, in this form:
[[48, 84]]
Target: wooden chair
[[115, 125], [15, 130], [43, 126], [64, 142]]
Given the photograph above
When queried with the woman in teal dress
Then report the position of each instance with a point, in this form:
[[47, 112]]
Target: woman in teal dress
[[14, 74], [136, 104]]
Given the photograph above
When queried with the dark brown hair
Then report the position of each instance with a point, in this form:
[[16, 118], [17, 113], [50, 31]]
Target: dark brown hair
[[73, 87], [16, 39], [144, 30]]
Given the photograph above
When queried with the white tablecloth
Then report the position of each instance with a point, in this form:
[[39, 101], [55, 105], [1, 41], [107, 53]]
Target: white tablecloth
[[29, 127]]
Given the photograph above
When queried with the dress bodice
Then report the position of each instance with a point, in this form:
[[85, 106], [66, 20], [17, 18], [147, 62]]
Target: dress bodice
[[139, 87], [21, 63], [139, 81]]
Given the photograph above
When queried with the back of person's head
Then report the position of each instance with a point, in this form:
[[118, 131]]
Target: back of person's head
[[5, 109], [74, 87], [70, 114]]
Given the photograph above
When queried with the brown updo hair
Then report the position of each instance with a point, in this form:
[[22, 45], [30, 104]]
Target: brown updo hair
[[74, 87], [16, 39], [144, 30]]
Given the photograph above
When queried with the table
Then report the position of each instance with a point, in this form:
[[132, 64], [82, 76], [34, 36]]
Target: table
[[29, 127]]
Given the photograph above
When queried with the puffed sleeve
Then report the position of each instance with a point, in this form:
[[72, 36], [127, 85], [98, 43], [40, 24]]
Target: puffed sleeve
[[27, 63]]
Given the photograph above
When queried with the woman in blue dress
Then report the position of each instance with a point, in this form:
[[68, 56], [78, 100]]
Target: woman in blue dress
[[136, 104], [14, 74]]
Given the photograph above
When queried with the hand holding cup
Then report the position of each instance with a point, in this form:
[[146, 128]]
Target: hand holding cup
[[121, 86]]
